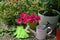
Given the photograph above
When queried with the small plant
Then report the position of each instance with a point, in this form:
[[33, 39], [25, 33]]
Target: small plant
[[30, 6], [8, 13], [45, 3], [1, 32], [21, 32], [11, 9], [58, 3], [28, 19]]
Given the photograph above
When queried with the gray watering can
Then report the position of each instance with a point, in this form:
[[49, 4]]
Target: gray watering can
[[41, 32]]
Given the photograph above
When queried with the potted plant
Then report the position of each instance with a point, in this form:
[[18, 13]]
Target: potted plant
[[58, 32], [23, 21], [48, 14], [29, 20], [9, 11]]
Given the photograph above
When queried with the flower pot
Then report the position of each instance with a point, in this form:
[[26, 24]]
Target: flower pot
[[51, 19], [58, 34], [33, 25]]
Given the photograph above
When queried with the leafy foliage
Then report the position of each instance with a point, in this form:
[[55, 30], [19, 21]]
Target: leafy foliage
[[21, 32], [58, 3], [8, 13], [1, 32], [10, 9], [30, 6]]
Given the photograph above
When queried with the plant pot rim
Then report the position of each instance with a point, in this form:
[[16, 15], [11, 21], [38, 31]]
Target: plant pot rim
[[50, 16]]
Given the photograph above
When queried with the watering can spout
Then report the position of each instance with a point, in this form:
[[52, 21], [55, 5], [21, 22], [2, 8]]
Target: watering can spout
[[32, 31]]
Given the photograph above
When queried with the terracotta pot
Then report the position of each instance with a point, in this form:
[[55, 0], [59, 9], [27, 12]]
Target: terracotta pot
[[58, 34]]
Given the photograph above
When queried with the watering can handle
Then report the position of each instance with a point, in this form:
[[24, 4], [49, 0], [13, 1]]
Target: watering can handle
[[50, 31]]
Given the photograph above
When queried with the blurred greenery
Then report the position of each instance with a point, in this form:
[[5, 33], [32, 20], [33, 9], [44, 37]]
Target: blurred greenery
[[8, 12], [59, 3], [21, 32], [10, 9], [1, 32]]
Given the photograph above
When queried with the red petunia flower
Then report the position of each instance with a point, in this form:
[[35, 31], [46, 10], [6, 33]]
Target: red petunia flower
[[37, 18], [23, 15], [25, 21], [32, 20], [19, 21], [25, 18], [33, 15], [28, 17]]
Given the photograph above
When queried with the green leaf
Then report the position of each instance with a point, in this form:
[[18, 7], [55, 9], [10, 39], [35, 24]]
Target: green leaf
[[59, 3], [0, 19], [27, 1], [12, 29], [21, 32], [1, 30]]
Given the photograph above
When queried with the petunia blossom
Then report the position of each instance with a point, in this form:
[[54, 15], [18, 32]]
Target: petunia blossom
[[32, 20], [23, 15], [37, 18], [19, 21], [28, 17], [25, 21], [33, 15], [25, 18]]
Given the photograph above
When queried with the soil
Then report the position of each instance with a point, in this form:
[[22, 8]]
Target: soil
[[49, 13]]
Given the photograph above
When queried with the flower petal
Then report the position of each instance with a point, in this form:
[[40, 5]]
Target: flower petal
[[23, 15], [37, 18], [33, 15], [19, 20], [25, 21]]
